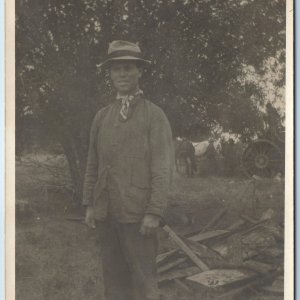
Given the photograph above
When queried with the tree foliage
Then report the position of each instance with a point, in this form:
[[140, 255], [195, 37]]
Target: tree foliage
[[199, 52]]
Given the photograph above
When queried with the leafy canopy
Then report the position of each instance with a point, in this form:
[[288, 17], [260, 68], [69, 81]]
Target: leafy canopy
[[200, 52]]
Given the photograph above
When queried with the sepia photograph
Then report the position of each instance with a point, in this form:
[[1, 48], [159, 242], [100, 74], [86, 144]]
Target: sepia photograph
[[152, 148]]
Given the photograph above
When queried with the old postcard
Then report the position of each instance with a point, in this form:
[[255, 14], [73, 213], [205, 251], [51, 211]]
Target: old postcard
[[149, 150]]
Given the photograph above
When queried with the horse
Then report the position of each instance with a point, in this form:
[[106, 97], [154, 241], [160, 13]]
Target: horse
[[201, 147], [185, 157]]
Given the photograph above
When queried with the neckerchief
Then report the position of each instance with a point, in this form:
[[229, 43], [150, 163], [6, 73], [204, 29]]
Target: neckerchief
[[127, 102]]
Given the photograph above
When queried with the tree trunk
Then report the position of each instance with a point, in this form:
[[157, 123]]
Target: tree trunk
[[75, 161]]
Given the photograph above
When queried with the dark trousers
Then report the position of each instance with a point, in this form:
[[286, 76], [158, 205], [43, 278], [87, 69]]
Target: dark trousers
[[128, 261]]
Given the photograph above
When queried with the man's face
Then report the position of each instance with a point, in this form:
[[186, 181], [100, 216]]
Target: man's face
[[125, 76]]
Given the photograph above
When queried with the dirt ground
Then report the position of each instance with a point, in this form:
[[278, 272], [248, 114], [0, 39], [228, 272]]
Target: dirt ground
[[57, 258]]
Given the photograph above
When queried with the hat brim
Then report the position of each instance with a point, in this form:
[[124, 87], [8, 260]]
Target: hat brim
[[124, 58]]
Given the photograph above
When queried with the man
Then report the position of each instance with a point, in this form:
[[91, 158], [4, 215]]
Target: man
[[128, 173], [185, 153], [230, 158], [211, 155]]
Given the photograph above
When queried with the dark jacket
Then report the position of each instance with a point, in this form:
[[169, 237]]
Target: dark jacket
[[136, 154]]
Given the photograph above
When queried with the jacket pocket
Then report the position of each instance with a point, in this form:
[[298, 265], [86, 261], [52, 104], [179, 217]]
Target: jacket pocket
[[136, 200], [140, 173], [138, 192]]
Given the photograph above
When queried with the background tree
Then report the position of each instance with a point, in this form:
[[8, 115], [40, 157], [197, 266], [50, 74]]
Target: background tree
[[201, 51]]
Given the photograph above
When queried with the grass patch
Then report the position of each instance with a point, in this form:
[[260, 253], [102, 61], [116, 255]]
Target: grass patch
[[58, 259]]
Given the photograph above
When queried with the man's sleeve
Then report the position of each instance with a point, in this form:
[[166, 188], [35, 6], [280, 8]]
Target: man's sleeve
[[162, 162], [91, 173]]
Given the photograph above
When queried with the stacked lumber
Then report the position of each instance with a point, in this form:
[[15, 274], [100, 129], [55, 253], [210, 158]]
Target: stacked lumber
[[248, 254]]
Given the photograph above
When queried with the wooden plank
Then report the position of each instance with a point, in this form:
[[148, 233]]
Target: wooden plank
[[277, 232], [75, 218], [221, 277], [213, 222], [230, 294], [79, 220], [236, 225], [204, 236], [181, 273], [171, 264], [215, 219], [239, 223], [256, 282], [267, 215], [163, 256], [254, 227], [273, 290], [182, 285], [258, 267], [179, 242], [249, 219], [273, 252], [208, 254], [277, 287], [222, 249]]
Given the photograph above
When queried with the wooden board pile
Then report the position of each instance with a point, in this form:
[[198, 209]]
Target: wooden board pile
[[247, 255]]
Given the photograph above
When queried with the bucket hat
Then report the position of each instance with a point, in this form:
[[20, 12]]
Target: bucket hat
[[123, 51]]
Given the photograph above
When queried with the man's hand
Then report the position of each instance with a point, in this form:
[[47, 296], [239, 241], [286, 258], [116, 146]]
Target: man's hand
[[149, 224], [89, 217]]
